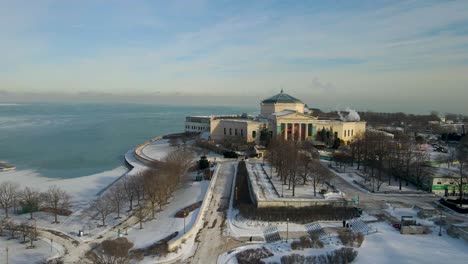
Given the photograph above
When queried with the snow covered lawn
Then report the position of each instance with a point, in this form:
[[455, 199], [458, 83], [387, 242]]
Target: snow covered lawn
[[158, 149], [166, 223], [389, 246], [18, 254]]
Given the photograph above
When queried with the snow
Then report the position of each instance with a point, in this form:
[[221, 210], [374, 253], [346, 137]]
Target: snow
[[388, 245], [278, 249], [82, 189], [271, 188], [166, 223], [353, 175], [158, 149], [18, 254]]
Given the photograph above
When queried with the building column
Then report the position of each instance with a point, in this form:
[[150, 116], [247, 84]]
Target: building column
[[299, 127], [306, 131], [285, 131]]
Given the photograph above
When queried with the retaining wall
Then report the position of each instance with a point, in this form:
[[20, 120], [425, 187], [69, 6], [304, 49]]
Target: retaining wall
[[145, 159]]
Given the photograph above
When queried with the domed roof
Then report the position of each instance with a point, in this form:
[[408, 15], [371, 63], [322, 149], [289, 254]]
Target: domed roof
[[281, 98]]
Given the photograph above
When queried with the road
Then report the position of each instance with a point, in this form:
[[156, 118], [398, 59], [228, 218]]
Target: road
[[210, 240]]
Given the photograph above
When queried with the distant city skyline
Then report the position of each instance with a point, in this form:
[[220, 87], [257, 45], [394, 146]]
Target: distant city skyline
[[407, 56]]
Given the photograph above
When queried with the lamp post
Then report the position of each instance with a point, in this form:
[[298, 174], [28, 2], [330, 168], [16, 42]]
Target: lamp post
[[185, 215], [51, 243], [440, 223], [287, 229]]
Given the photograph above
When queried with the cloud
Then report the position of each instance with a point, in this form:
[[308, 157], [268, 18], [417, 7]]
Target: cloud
[[330, 54]]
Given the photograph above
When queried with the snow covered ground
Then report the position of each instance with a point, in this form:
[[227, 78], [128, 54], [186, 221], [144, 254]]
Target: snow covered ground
[[279, 249], [18, 254], [352, 175], [158, 149], [82, 189], [271, 188], [166, 223], [389, 246]]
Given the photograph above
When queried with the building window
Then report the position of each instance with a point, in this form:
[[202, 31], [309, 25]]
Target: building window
[[230, 131], [235, 131], [254, 134], [242, 132], [345, 133], [352, 130], [224, 131]]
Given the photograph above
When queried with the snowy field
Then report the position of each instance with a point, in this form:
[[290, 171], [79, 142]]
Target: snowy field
[[166, 223], [82, 189], [388, 245], [18, 254], [265, 190], [352, 175], [158, 149]]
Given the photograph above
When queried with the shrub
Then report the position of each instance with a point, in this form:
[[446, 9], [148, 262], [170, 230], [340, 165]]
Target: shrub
[[306, 242], [293, 259], [230, 155], [188, 209], [253, 256], [350, 239], [340, 256]]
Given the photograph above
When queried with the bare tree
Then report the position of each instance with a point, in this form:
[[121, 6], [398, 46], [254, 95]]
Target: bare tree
[[141, 212], [117, 197], [127, 187], [33, 234], [8, 194], [151, 189], [304, 163], [30, 199], [103, 206], [421, 168], [56, 199], [136, 183], [115, 251], [317, 175], [179, 162], [462, 157]]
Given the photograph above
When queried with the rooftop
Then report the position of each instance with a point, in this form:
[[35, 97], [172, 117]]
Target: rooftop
[[281, 98]]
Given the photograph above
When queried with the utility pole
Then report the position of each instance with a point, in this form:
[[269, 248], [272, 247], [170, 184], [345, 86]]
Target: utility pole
[[287, 229]]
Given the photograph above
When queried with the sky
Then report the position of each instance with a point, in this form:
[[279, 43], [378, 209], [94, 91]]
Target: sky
[[369, 55]]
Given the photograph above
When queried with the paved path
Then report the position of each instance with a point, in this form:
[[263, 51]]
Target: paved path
[[210, 240]]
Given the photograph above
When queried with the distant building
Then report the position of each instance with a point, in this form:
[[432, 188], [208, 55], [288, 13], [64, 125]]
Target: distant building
[[447, 186], [280, 115]]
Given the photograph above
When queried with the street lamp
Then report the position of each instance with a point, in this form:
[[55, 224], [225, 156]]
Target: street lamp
[[185, 215], [440, 223], [287, 229]]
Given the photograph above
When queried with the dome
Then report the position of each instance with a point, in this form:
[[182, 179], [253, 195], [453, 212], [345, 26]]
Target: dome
[[281, 98]]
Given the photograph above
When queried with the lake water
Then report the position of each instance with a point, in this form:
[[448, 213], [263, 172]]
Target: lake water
[[73, 140]]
